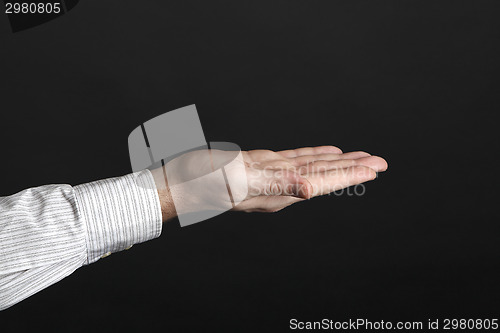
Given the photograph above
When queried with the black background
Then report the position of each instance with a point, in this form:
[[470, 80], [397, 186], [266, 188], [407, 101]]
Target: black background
[[417, 82]]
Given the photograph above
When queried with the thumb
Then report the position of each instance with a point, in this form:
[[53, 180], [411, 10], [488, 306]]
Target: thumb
[[284, 183]]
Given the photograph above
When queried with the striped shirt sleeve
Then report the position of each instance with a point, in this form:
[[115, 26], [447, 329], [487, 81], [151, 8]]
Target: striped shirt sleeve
[[48, 232]]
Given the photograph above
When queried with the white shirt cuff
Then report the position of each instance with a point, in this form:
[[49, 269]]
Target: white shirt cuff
[[118, 213]]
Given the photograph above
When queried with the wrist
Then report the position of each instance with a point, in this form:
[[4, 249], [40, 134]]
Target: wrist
[[168, 210]]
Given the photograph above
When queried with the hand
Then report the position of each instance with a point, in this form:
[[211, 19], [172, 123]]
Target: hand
[[304, 173], [269, 181]]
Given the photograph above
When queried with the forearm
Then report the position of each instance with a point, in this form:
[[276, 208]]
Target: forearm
[[48, 232]]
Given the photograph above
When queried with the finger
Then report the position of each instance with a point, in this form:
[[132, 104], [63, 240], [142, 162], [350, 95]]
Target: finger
[[376, 163], [306, 159], [322, 166], [337, 179], [310, 151]]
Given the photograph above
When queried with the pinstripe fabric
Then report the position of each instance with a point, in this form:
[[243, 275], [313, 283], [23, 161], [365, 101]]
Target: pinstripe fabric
[[48, 232]]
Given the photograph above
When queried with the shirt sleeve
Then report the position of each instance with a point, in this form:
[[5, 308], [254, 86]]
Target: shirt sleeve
[[48, 232]]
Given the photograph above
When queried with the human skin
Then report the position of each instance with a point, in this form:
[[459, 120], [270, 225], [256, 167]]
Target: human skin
[[276, 180]]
